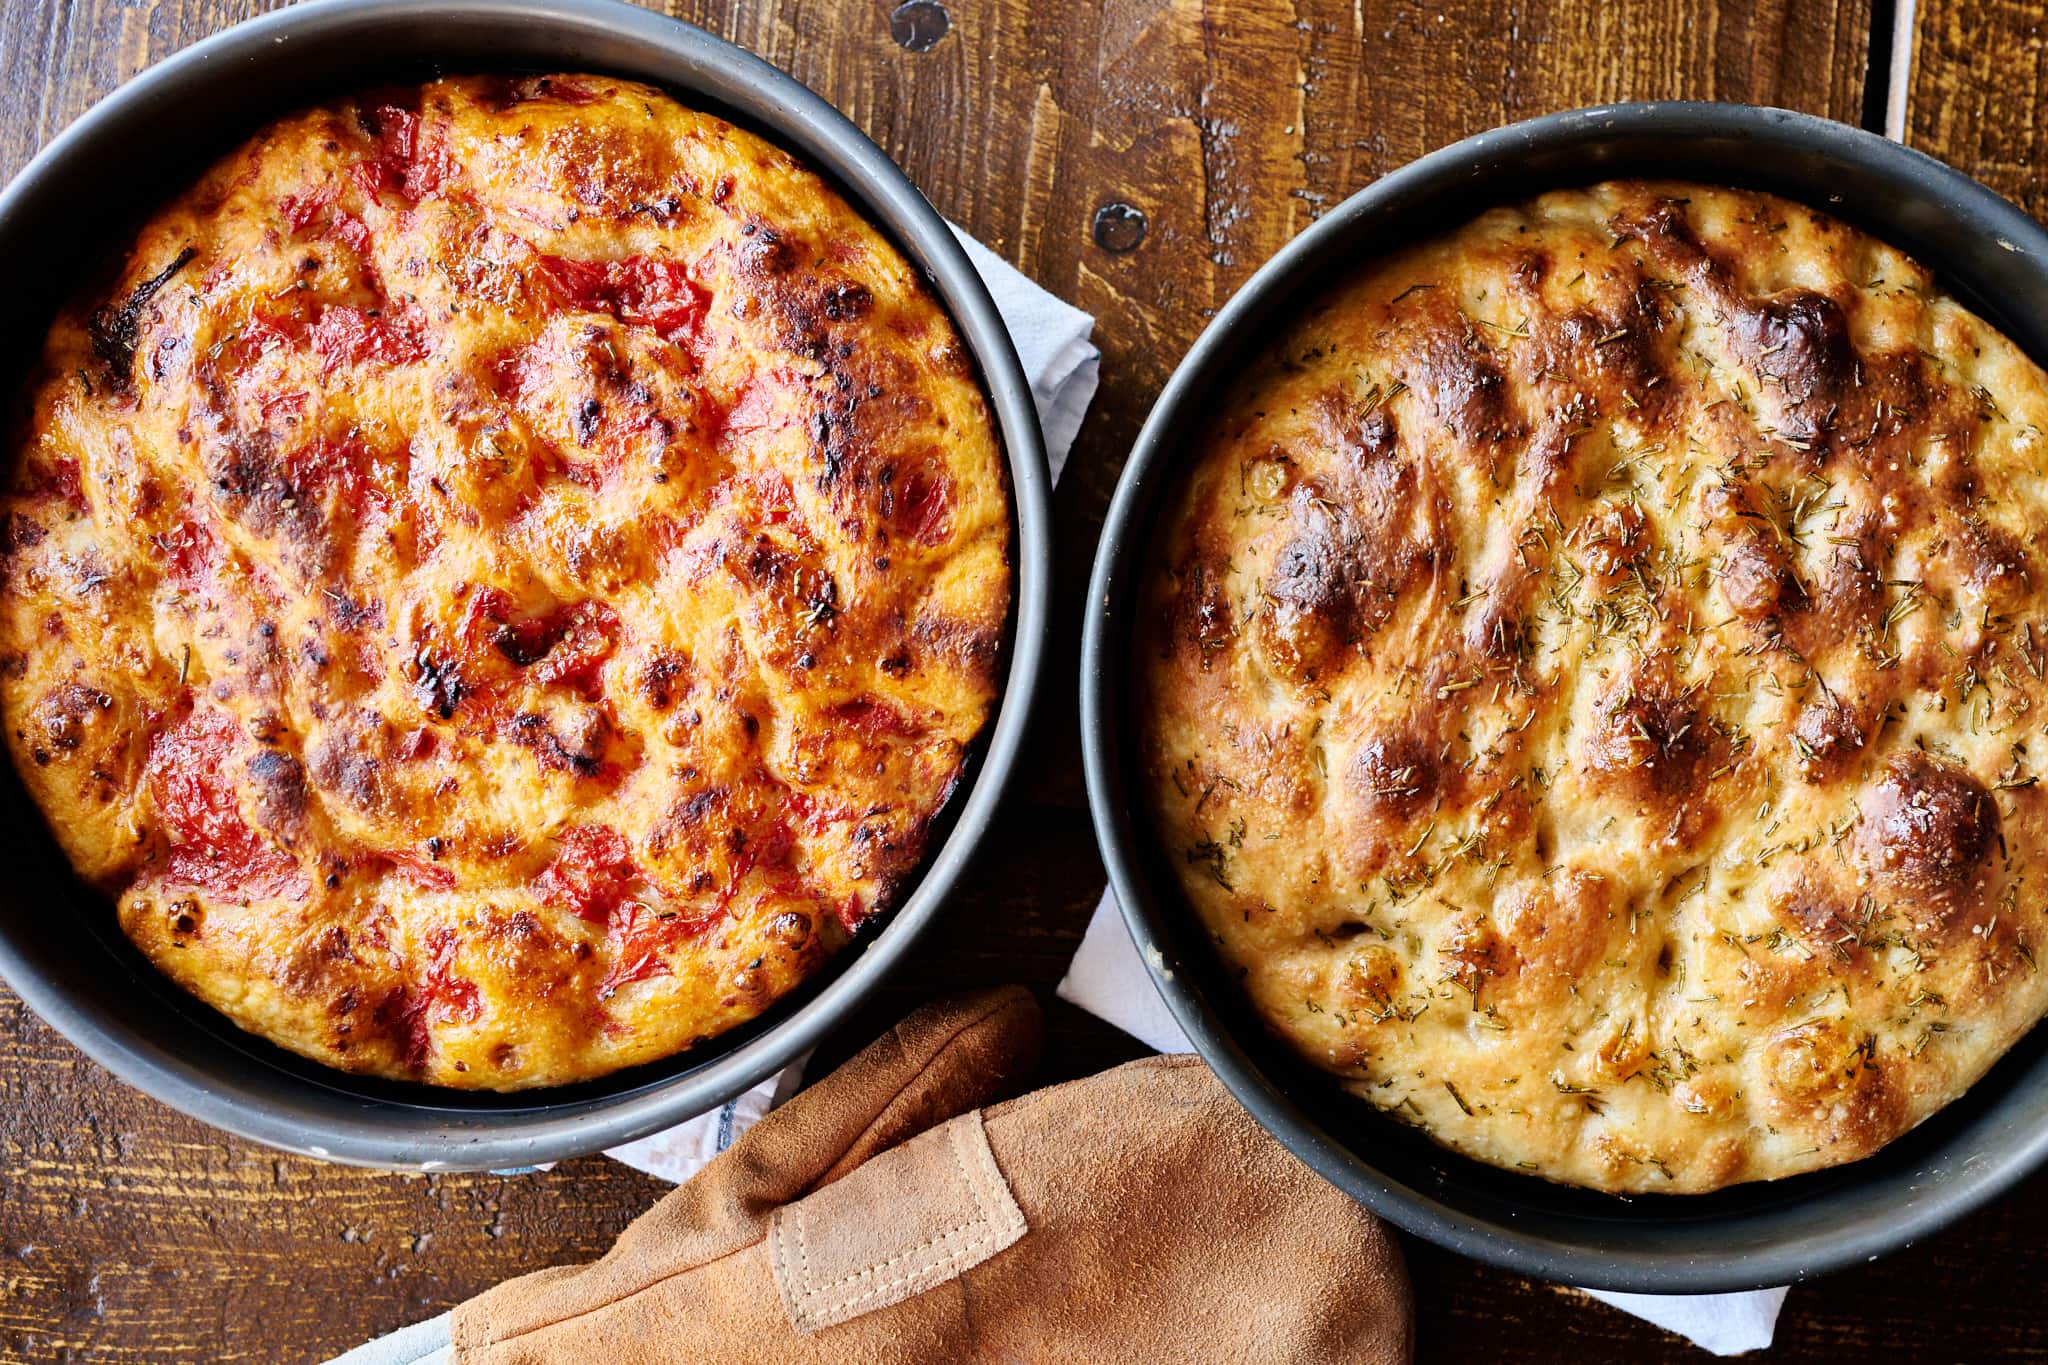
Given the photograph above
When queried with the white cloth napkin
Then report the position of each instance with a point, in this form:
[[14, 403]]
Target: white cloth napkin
[[1108, 979]]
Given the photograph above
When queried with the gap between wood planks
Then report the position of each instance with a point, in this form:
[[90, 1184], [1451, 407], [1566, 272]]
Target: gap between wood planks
[[1888, 72]]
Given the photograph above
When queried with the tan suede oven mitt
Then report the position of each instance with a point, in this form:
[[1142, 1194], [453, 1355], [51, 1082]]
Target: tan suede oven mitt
[[1138, 1215]]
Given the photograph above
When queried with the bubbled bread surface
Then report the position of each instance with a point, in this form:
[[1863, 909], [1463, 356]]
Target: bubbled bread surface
[[499, 584], [1593, 688]]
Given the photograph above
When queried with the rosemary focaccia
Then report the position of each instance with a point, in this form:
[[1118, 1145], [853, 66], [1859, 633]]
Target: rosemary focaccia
[[1596, 694], [500, 584]]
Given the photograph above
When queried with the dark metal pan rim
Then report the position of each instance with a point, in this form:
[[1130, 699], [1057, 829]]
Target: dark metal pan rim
[[1985, 251], [197, 1062]]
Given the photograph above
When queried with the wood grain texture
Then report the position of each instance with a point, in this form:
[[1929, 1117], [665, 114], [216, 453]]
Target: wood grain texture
[[130, 1234], [1975, 92]]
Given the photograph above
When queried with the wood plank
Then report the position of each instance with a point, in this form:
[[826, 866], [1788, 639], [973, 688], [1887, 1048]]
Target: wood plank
[[1232, 126], [1975, 92]]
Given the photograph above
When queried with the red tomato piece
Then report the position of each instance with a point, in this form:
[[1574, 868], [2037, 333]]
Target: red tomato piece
[[301, 209], [441, 997], [190, 555], [635, 938], [192, 776], [591, 874], [62, 478], [346, 335], [584, 637], [411, 158], [641, 291], [351, 232], [341, 467], [421, 871], [875, 718], [922, 500]]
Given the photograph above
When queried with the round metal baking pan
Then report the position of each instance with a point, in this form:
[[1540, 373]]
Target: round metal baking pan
[[75, 204], [1988, 254]]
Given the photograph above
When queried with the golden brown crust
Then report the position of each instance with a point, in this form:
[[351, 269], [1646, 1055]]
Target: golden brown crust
[[1595, 684], [503, 583]]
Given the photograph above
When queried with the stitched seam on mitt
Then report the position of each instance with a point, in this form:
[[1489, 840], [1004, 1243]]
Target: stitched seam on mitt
[[981, 1219], [808, 1311], [938, 1052], [979, 1224], [889, 1286]]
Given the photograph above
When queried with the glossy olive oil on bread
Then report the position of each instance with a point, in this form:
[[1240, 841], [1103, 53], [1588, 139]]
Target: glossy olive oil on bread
[[500, 584], [1596, 690]]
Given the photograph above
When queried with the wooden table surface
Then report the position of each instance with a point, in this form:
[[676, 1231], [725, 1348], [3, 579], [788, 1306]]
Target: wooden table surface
[[129, 1233]]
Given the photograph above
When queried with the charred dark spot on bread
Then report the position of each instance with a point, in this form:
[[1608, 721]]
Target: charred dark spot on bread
[[1650, 738], [66, 716], [278, 782], [1396, 775], [1345, 566], [348, 762], [1799, 342], [1829, 735], [1459, 377], [1926, 826], [116, 328]]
